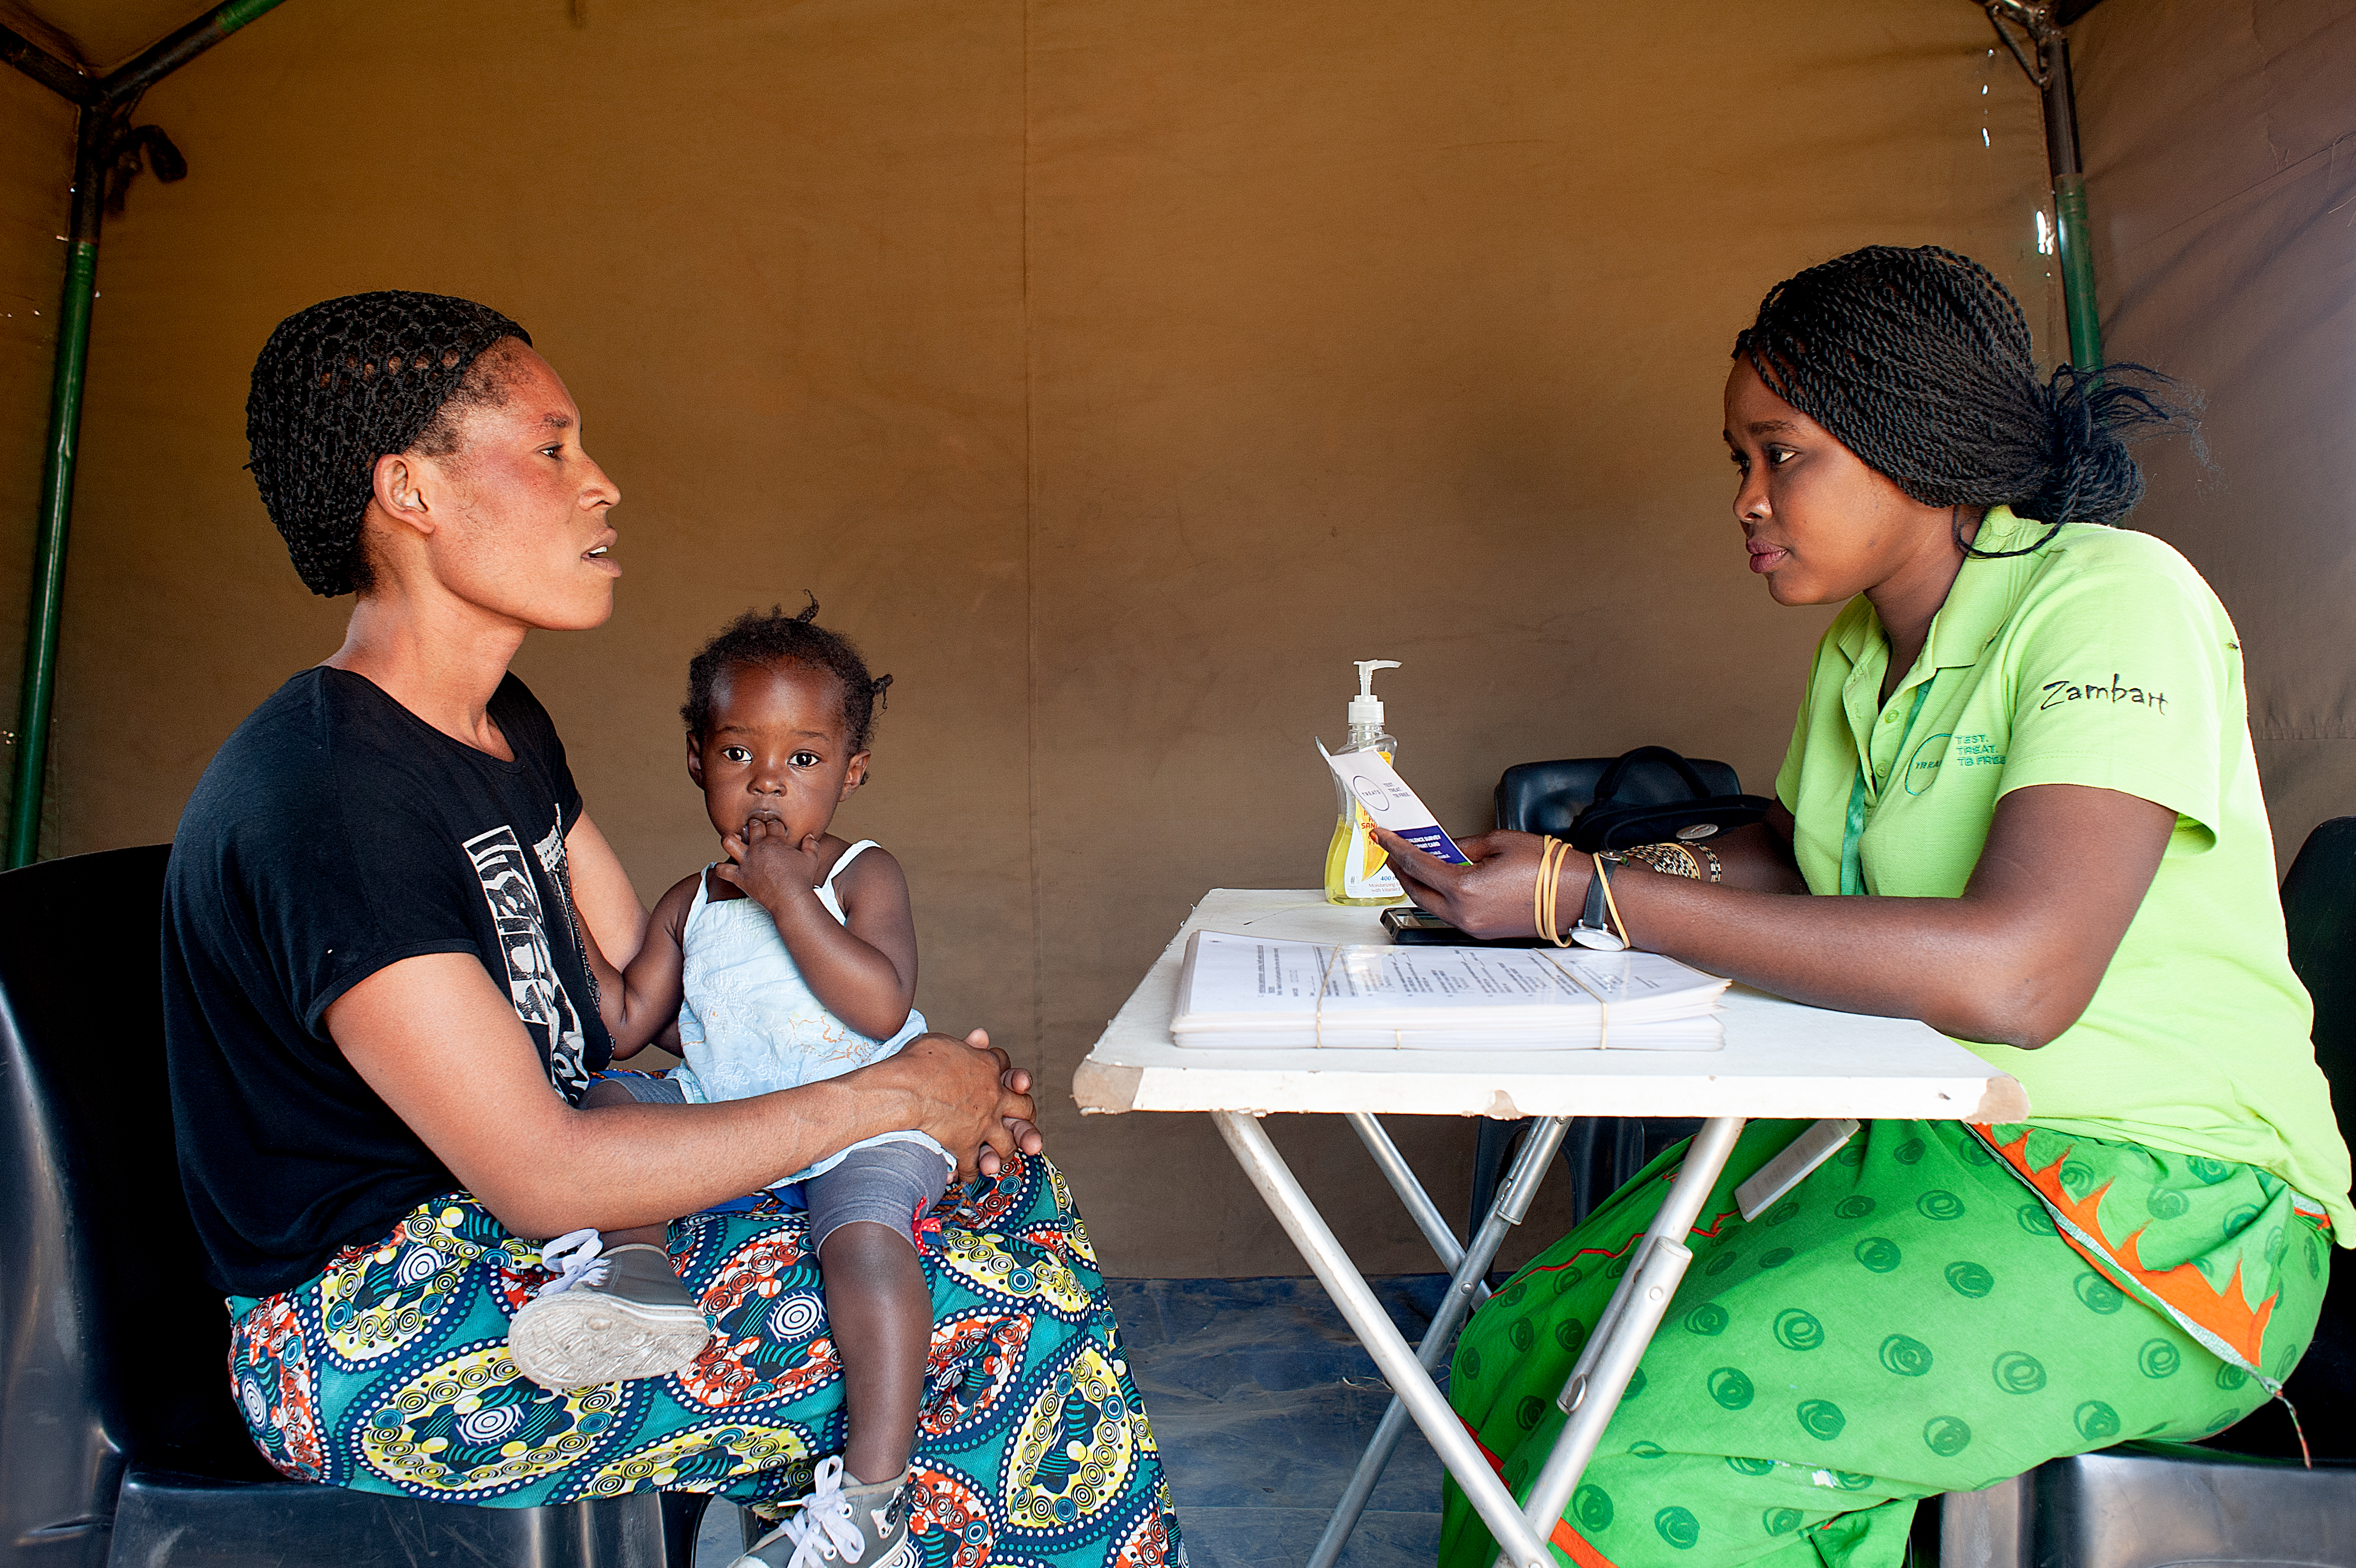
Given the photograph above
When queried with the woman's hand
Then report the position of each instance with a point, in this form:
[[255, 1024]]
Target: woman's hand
[[1020, 1129], [1494, 896], [969, 1096], [2015, 960]]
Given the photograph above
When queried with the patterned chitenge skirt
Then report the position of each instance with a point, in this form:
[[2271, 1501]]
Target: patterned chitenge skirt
[[389, 1372]]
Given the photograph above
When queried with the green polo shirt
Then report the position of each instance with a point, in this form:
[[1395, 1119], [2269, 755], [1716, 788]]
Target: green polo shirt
[[2104, 659]]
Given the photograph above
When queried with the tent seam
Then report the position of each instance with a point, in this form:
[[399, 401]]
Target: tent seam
[[1031, 596], [2287, 174]]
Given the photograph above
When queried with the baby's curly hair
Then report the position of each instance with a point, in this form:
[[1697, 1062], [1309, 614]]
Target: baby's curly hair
[[771, 637], [352, 380]]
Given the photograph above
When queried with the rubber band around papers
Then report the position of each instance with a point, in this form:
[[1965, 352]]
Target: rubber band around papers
[[1324, 988], [1603, 1023]]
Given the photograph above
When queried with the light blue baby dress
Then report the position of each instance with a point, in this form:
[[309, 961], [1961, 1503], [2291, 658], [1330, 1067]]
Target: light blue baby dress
[[750, 1024]]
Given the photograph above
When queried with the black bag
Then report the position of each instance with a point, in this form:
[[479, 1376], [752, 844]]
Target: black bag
[[1621, 815]]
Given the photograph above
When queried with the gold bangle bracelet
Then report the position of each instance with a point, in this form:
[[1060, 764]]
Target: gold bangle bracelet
[[1546, 917]]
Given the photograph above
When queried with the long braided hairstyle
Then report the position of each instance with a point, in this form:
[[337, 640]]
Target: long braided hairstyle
[[1918, 360], [771, 637]]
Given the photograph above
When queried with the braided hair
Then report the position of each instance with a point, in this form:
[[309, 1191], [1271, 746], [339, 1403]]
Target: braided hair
[[769, 637], [1919, 362], [346, 383]]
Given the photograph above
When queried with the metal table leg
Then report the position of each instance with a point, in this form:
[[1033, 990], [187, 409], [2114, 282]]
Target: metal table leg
[[1420, 1206], [1604, 1368], [1523, 1547], [1470, 1268]]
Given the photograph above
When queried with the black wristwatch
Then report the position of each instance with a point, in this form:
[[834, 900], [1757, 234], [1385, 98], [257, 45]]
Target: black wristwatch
[[1593, 930]]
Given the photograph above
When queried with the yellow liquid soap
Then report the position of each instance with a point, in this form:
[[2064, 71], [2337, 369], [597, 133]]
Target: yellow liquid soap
[[1357, 868]]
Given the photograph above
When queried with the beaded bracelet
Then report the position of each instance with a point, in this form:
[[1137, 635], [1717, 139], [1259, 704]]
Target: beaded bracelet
[[1673, 859], [1669, 859]]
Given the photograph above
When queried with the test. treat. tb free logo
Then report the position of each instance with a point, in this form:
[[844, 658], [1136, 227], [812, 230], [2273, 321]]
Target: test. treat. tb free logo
[[2116, 693]]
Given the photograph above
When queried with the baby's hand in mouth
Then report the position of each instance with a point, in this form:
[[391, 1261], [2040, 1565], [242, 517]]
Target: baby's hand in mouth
[[768, 864]]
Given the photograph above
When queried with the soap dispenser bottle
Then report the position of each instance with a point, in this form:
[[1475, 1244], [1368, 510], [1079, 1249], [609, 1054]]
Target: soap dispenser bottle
[[1357, 869]]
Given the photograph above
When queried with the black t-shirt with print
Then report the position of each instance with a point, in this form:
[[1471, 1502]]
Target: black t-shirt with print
[[336, 832]]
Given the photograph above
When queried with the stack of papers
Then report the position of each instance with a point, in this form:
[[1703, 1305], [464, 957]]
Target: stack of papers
[[1239, 991]]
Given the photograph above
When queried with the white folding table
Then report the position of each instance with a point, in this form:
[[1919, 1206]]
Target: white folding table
[[1781, 1059]]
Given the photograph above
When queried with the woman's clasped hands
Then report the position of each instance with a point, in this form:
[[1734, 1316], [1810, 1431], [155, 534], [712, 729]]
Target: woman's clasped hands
[[970, 1096]]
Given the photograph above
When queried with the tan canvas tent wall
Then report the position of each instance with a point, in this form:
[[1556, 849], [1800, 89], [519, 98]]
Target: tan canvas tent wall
[[1115, 374], [2220, 140]]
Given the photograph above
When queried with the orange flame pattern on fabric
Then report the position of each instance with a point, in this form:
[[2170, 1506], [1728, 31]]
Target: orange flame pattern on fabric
[[1567, 1540], [2226, 1314], [1573, 1546]]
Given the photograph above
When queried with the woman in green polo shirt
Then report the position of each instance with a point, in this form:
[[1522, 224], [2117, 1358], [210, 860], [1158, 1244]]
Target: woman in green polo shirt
[[2024, 758]]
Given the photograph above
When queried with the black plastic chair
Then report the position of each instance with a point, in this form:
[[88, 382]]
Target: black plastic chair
[[118, 1441], [1602, 1152], [2242, 1496], [1543, 797]]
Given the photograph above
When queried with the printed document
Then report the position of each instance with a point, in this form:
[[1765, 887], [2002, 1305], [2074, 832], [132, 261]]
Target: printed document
[[1238, 991]]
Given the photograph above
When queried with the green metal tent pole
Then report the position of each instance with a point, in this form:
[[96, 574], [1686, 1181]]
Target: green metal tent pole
[[2050, 73], [56, 499], [2072, 239], [169, 53], [100, 138]]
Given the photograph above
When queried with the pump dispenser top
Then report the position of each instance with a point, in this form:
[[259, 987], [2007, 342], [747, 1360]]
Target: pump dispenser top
[[1365, 708]]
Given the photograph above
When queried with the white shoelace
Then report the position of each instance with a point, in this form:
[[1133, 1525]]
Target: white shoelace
[[576, 1254], [823, 1529]]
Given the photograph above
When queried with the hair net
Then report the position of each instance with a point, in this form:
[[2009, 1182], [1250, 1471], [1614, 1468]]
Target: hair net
[[338, 386]]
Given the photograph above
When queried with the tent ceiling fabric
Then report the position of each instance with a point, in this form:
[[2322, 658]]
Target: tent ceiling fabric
[[101, 34]]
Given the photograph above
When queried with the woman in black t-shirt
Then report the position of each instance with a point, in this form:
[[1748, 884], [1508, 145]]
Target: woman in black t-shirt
[[379, 1026]]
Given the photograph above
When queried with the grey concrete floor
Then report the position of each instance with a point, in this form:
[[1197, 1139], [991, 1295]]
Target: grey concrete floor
[[1262, 1400]]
